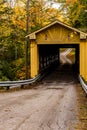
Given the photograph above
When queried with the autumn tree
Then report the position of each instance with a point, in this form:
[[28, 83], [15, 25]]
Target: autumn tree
[[13, 31], [41, 13], [76, 13], [12, 37]]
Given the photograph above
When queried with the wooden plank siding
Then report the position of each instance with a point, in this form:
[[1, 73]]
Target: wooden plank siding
[[57, 34]]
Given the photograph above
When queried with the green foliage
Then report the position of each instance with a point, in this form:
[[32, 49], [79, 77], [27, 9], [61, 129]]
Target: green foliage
[[12, 40], [76, 13]]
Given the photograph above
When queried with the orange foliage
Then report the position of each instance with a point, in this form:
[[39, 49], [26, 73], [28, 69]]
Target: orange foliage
[[71, 1]]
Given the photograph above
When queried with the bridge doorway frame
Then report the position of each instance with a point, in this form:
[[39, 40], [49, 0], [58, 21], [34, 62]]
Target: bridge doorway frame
[[55, 56]]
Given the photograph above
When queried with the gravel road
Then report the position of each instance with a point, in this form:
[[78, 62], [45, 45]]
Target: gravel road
[[52, 105]]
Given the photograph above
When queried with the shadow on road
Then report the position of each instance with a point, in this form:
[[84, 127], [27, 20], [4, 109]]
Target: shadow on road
[[62, 74]]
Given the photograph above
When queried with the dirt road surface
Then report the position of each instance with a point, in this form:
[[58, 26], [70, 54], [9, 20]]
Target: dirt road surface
[[50, 106]]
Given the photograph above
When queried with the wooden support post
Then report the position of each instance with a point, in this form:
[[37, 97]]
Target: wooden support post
[[22, 86], [82, 59], [86, 62], [58, 56], [8, 87], [42, 62], [34, 58]]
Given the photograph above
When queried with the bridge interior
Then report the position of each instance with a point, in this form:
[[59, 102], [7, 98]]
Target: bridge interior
[[49, 57]]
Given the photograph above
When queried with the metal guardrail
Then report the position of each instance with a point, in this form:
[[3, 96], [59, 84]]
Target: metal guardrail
[[21, 83], [11, 84], [84, 86]]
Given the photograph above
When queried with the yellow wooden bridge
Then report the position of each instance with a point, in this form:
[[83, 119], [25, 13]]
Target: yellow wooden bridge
[[45, 44]]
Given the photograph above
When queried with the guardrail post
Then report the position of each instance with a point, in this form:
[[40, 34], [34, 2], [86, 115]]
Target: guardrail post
[[83, 84], [7, 87], [22, 86], [20, 83]]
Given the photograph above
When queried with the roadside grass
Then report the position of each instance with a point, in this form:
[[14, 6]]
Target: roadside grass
[[82, 109]]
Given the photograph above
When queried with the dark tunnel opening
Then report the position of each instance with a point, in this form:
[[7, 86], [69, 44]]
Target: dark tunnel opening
[[49, 59]]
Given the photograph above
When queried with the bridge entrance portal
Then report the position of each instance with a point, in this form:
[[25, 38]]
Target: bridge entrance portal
[[56, 54], [46, 43]]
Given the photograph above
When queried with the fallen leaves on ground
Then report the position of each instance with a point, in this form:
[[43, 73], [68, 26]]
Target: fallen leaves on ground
[[82, 109]]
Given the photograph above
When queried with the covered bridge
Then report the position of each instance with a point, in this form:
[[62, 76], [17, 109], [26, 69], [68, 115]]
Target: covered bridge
[[45, 44]]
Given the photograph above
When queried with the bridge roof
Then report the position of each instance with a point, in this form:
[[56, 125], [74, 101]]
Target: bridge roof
[[53, 23]]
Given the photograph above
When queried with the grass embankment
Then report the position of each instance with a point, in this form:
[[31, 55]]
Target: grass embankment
[[82, 109]]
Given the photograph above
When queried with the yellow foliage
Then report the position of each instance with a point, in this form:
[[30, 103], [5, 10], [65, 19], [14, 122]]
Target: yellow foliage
[[21, 73], [19, 17], [71, 1]]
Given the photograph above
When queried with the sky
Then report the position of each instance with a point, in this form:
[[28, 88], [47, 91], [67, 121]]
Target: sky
[[54, 5], [57, 5], [12, 2]]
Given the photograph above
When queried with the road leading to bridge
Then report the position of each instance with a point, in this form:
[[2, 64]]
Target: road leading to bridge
[[51, 105], [63, 56]]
